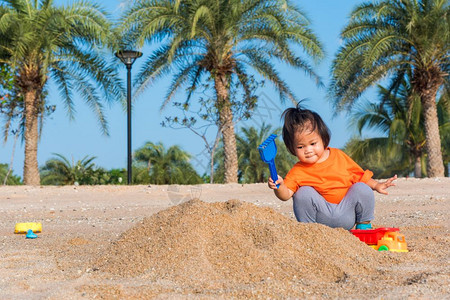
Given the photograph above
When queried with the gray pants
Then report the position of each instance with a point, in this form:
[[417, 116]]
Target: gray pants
[[357, 206]]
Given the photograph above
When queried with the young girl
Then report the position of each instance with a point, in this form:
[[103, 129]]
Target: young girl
[[327, 186]]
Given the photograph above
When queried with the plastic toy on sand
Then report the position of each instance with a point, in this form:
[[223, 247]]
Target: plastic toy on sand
[[24, 227], [268, 151], [31, 234], [382, 239]]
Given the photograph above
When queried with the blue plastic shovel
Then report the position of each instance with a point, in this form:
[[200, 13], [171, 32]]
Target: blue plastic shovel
[[268, 151]]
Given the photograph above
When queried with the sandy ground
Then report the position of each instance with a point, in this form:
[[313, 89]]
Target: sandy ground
[[81, 223]]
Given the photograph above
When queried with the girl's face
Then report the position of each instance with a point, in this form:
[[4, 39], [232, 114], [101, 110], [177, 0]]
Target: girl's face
[[309, 147]]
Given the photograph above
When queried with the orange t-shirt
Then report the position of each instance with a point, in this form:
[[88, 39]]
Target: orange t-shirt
[[330, 178]]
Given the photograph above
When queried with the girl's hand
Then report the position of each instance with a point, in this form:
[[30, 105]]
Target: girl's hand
[[282, 192], [381, 187], [273, 185]]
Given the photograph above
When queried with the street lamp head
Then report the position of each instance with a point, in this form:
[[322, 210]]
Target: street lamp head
[[128, 56]]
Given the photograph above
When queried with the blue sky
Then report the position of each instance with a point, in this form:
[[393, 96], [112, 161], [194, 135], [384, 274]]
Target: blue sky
[[81, 137]]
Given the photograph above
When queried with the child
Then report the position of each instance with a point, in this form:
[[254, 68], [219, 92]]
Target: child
[[327, 186]]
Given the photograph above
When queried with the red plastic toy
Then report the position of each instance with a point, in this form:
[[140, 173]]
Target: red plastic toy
[[382, 239]]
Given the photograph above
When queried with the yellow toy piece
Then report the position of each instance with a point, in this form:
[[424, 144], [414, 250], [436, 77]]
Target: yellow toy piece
[[392, 241], [24, 227]]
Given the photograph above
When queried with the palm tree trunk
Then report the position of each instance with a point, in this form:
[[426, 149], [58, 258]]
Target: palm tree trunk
[[418, 167], [435, 164], [30, 168], [226, 123]]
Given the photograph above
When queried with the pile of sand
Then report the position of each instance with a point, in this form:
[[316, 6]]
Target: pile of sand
[[216, 244]]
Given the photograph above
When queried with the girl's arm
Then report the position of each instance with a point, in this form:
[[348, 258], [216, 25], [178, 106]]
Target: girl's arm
[[381, 187], [282, 192]]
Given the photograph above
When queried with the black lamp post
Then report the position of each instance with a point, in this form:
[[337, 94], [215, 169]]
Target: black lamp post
[[128, 57]]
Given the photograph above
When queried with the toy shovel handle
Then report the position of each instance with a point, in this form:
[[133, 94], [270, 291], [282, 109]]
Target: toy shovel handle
[[273, 171]]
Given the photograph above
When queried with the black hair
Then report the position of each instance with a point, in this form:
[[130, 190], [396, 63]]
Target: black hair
[[297, 119]]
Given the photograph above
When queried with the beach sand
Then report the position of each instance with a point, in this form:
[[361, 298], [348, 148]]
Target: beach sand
[[215, 242]]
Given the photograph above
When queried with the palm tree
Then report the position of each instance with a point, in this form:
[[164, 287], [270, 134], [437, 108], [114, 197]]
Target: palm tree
[[221, 41], [40, 41], [166, 166], [60, 171], [401, 120], [387, 38], [405, 139]]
